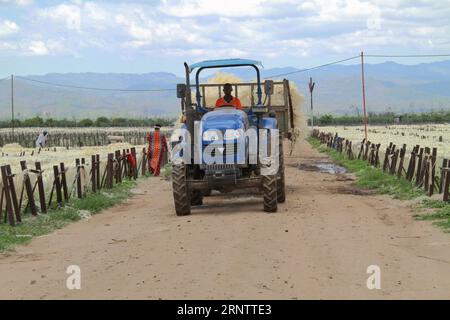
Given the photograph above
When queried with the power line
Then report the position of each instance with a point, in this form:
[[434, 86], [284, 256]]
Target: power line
[[272, 76], [93, 88], [406, 55], [312, 68], [358, 56]]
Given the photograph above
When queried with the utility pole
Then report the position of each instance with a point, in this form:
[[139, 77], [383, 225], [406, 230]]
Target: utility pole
[[12, 105], [364, 95], [311, 88]]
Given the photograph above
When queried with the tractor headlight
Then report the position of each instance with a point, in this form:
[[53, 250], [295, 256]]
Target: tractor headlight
[[210, 135], [232, 134]]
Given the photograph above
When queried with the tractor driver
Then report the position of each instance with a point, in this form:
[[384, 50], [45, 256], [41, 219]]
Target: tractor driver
[[228, 100]]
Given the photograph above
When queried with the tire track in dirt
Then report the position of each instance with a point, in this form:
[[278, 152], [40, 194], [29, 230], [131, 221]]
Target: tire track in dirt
[[318, 245]]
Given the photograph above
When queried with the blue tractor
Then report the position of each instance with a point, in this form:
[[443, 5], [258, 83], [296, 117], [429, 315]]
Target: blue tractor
[[225, 148]]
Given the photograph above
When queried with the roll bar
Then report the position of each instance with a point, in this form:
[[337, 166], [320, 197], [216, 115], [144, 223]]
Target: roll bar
[[197, 80]]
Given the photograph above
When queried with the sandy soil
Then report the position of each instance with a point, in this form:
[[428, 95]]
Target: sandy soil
[[318, 245]]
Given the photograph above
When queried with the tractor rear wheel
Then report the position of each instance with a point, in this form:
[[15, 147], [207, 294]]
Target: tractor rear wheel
[[269, 184], [181, 192], [281, 184]]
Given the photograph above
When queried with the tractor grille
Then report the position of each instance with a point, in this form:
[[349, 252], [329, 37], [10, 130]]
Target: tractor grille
[[214, 167], [229, 149]]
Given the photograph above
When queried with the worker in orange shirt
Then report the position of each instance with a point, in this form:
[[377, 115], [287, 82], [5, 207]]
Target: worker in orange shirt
[[228, 100]]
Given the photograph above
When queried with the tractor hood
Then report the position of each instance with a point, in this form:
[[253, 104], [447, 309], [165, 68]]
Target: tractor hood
[[225, 118]]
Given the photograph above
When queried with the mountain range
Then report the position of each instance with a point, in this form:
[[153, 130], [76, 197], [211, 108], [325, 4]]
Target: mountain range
[[389, 87]]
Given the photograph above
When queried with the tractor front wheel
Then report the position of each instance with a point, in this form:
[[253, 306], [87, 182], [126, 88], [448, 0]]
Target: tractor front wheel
[[269, 184], [181, 192]]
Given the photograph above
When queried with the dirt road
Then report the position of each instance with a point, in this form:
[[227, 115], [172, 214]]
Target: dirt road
[[318, 245]]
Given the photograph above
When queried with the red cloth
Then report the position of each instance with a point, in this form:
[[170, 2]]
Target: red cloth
[[235, 102], [157, 146], [131, 160]]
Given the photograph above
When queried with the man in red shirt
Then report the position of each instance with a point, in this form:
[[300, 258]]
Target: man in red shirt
[[228, 100]]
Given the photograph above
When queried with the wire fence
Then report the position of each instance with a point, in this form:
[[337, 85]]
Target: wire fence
[[421, 169], [28, 192], [75, 137]]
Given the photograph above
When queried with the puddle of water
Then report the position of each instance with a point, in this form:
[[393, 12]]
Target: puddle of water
[[325, 167], [331, 168]]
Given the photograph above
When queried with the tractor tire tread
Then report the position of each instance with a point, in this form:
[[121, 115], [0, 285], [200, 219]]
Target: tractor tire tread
[[181, 194]]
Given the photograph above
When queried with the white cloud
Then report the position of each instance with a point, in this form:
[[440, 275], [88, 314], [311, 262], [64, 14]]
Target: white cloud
[[16, 2], [246, 28], [8, 28], [8, 46], [37, 48], [229, 8], [139, 32], [67, 14]]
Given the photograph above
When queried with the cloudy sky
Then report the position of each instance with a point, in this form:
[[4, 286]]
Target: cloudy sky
[[141, 36]]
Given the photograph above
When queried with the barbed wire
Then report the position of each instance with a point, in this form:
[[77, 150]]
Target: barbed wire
[[92, 88]]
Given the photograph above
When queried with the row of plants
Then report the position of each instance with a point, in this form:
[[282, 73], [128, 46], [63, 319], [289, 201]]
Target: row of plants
[[385, 118], [85, 123]]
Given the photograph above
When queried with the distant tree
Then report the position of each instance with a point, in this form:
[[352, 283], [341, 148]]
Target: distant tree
[[119, 122], [86, 123], [33, 122], [102, 122], [326, 119], [52, 123]]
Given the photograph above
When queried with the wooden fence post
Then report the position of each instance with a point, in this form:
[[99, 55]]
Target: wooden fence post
[[109, 171], [394, 161], [97, 167], [12, 189], [124, 164], [118, 173], [57, 184], [402, 160], [144, 162], [79, 189], [419, 166], [424, 173], [350, 151], [361, 149], [64, 181], [366, 151], [443, 173], [377, 155], [386, 159], [40, 184], [135, 169], [28, 188], [1, 204], [371, 159], [433, 172], [93, 174], [446, 184], [6, 187], [412, 164]]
